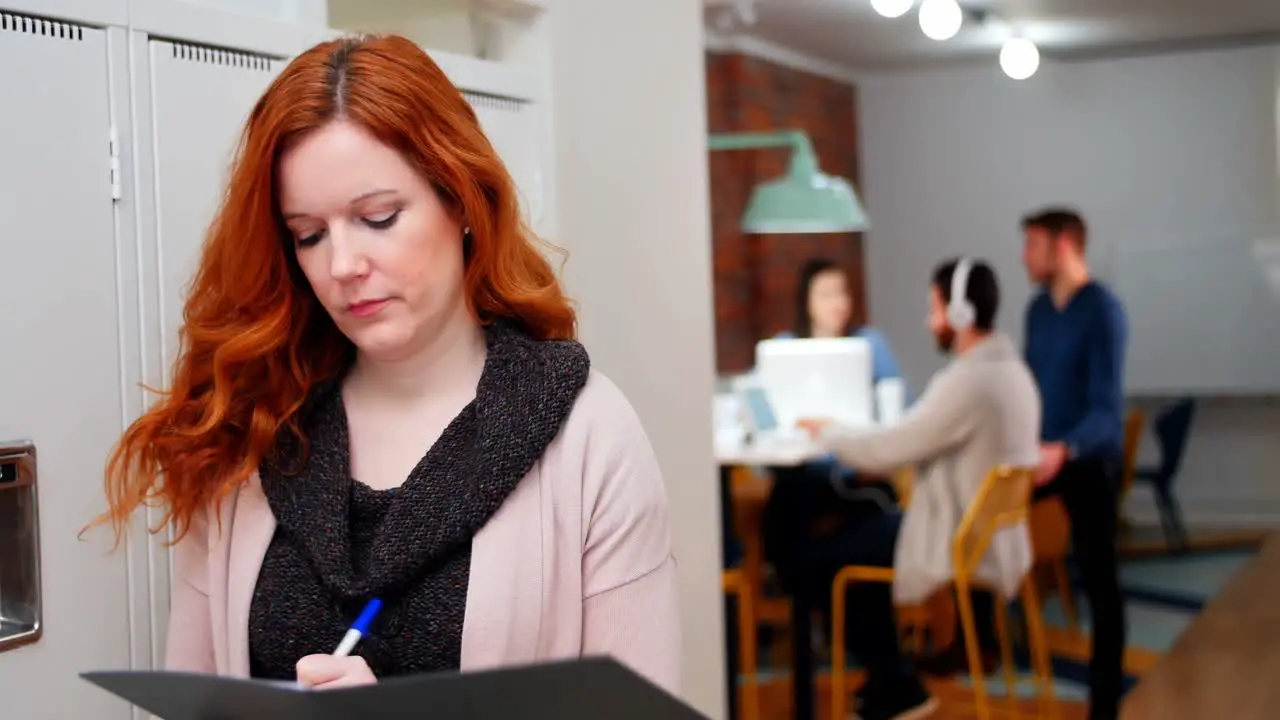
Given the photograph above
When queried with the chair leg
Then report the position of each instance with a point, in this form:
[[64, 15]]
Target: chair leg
[[1038, 647], [970, 627], [1066, 593], [839, 694], [748, 647], [1006, 655], [1175, 532]]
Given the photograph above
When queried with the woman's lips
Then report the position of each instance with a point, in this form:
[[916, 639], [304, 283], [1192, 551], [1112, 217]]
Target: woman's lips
[[365, 308]]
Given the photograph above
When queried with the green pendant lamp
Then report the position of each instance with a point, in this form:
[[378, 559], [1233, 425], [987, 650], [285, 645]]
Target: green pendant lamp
[[805, 200]]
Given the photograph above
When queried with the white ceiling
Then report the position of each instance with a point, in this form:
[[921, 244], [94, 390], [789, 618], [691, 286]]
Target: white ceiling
[[850, 33]]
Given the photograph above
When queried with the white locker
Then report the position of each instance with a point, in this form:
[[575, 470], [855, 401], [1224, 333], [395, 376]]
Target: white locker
[[194, 135], [512, 128], [186, 143], [62, 370]]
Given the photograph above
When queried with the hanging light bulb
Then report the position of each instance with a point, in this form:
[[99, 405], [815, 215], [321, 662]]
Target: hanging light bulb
[[892, 8], [940, 19], [1019, 58]]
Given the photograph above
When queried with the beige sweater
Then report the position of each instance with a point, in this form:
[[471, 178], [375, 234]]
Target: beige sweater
[[980, 411], [577, 562]]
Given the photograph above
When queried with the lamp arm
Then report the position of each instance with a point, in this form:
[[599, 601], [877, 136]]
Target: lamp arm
[[754, 141]]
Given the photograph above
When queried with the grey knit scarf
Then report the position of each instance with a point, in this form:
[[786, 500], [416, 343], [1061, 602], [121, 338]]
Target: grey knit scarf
[[339, 543]]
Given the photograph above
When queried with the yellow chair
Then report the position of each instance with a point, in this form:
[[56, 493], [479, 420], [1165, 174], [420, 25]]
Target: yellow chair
[[736, 583], [749, 492], [904, 484], [1050, 529], [1002, 501]]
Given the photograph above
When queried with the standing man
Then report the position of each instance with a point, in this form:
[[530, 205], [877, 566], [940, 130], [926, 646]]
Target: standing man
[[1075, 342]]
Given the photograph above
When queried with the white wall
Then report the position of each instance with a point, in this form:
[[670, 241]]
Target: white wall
[[313, 13], [952, 158], [437, 24], [633, 211], [481, 28]]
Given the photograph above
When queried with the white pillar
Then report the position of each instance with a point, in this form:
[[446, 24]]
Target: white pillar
[[632, 209]]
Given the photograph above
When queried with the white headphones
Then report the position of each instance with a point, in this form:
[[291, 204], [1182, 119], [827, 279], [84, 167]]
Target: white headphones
[[960, 312]]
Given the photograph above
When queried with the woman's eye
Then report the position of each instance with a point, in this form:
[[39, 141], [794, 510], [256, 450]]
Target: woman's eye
[[309, 240], [382, 221]]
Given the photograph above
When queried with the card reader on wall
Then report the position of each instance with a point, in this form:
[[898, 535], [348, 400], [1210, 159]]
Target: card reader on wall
[[20, 607]]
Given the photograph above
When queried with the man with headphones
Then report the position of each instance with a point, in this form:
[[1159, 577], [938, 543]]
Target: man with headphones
[[980, 411]]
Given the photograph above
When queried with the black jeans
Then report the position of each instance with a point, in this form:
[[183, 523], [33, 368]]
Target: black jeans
[[1090, 492], [871, 629]]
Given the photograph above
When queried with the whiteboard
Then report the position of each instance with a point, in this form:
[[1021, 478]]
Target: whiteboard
[[1205, 317], [60, 379]]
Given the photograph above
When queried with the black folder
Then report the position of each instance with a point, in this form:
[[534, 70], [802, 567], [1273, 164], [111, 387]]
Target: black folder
[[567, 690]]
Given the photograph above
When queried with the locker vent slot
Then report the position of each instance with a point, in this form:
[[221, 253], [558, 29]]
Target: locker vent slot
[[30, 25], [218, 56], [493, 102]]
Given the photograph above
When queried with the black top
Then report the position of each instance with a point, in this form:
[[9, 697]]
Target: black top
[[339, 543]]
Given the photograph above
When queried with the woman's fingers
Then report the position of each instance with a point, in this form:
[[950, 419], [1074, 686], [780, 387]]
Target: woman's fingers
[[327, 672]]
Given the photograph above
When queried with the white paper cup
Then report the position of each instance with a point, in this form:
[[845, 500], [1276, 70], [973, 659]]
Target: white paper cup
[[891, 400]]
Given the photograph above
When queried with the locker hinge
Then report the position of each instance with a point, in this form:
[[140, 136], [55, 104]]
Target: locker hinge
[[113, 142]]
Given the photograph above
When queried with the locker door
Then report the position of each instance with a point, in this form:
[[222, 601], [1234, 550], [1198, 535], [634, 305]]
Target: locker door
[[195, 137], [60, 358], [512, 129]]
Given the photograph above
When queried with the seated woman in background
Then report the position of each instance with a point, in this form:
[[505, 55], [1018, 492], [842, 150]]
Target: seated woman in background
[[824, 309], [809, 502]]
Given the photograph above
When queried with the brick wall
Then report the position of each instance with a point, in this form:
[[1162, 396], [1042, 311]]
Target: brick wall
[[755, 275]]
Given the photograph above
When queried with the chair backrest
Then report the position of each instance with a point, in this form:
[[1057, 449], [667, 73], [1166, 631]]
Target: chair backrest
[[1173, 426], [904, 484], [1001, 502]]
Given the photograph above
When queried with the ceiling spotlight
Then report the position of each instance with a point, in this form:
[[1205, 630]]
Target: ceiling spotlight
[[892, 8], [1019, 58], [940, 19]]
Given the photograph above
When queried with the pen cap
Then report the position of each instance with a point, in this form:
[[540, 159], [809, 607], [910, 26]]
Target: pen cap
[[366, 617]]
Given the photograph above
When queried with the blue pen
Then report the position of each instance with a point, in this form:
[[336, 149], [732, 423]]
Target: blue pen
[[359, 629]]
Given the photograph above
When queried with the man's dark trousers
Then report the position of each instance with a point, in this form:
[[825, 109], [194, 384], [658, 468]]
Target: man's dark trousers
[[1089, 489]]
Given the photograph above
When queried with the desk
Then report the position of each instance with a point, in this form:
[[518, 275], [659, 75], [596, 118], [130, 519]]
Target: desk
[[743, 455], [739, 455], [1226, 663]]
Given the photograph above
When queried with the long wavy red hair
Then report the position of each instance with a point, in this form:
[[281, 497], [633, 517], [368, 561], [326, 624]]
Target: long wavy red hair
[[254, 339]]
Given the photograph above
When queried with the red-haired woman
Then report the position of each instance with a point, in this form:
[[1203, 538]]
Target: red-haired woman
[[379, 395]]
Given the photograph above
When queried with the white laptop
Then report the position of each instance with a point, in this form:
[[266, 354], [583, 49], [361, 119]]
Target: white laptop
[[829, 378]]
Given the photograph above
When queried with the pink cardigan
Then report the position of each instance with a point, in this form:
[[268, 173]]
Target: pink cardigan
[[576, 562]]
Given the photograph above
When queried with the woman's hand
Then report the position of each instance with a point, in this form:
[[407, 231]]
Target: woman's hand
[[326, 672], [813, 426]]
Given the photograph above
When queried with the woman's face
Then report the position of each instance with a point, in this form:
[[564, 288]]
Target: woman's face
[[830, 307], [380, 249]]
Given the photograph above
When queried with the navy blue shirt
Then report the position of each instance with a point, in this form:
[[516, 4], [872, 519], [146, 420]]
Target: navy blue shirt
[[1077, 356]]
